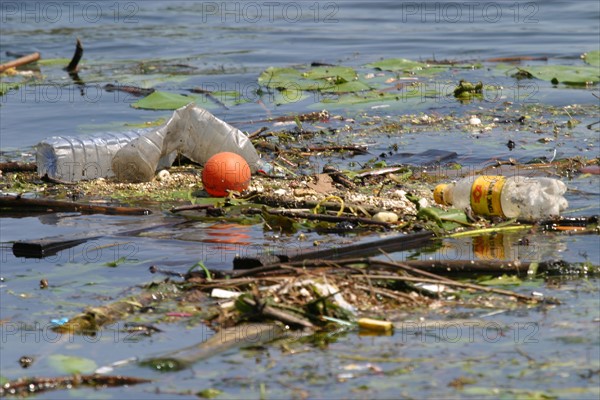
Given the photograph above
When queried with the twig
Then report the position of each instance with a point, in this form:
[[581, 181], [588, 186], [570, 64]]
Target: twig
[[192, 207], [278, 314], [463, 285], [398, 296], [329, 218], [55, 206], [28, 386], [257, 133], [133, 90], [20, 61]]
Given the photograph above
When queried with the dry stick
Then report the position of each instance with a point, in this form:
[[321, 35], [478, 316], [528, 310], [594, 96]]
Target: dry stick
[[20, 61], [398, 296], [472, 266], [459, 284], [72, 67], [257, 133], [67, 206], [405, 267], [328, 218], [192, 207], [280, 315], [329, 205]]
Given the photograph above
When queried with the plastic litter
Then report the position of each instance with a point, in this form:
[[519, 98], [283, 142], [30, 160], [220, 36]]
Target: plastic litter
[[511, 197], [136, 156]]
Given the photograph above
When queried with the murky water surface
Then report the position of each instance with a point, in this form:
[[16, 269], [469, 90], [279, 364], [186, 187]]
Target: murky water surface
[[540, 351]]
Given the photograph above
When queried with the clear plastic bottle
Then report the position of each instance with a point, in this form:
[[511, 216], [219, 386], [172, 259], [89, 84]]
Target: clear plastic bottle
[[71, 159], [511, 197]]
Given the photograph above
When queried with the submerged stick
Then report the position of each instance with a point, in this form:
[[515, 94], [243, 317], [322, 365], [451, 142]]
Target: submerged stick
[[28, 386], [236, 336], [67, 206], [20, 61]]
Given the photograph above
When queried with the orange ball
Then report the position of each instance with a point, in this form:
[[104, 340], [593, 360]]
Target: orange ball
[[225, 171]]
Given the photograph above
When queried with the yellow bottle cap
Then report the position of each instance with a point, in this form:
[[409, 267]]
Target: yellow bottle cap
[[438, 193]]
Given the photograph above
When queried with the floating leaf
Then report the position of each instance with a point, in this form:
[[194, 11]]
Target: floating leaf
[[592, 58], [71, 364], [116, 263], [163, 101], [333, 79], [448, 220], [348, 87], [5, 87], [574, 75], [53, 62], [209, 393], [332, 74], [397, 65], [279, 222]]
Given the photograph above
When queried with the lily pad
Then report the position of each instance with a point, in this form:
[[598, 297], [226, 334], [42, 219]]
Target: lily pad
[[163, 101], [592, 58], [331, 79], [573, 75], [409, 66], [333, 74], [397, 65], [71, 365]]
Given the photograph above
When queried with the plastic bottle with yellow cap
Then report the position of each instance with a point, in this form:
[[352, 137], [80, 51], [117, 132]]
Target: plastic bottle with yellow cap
[[510, 197]]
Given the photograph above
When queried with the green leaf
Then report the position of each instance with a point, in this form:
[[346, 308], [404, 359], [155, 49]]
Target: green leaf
[[163, 101], [5, 87], [53, 62], [209, 393], [569, 74], [592, 58], [348, 87], [397, 65], [331, 74], [336, 79], [71, 364], [448, 220], [115, 263]]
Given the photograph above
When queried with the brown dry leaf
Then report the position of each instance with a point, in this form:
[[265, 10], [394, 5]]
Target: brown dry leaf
[[323, 184]]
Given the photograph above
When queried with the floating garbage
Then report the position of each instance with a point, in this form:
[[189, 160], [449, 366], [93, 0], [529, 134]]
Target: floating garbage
[[135, 156], [511, 197], [224, 172]]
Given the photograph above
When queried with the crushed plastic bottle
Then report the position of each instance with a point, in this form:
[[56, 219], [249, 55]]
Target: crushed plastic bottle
[[71, 159], [136, 156], [510, 197]]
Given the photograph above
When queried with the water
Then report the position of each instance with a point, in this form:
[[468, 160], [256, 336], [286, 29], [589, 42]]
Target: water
[[229, 44]]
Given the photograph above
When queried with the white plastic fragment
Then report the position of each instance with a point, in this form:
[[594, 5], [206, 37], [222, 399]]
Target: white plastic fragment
[[385, 216], [224, 294]]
